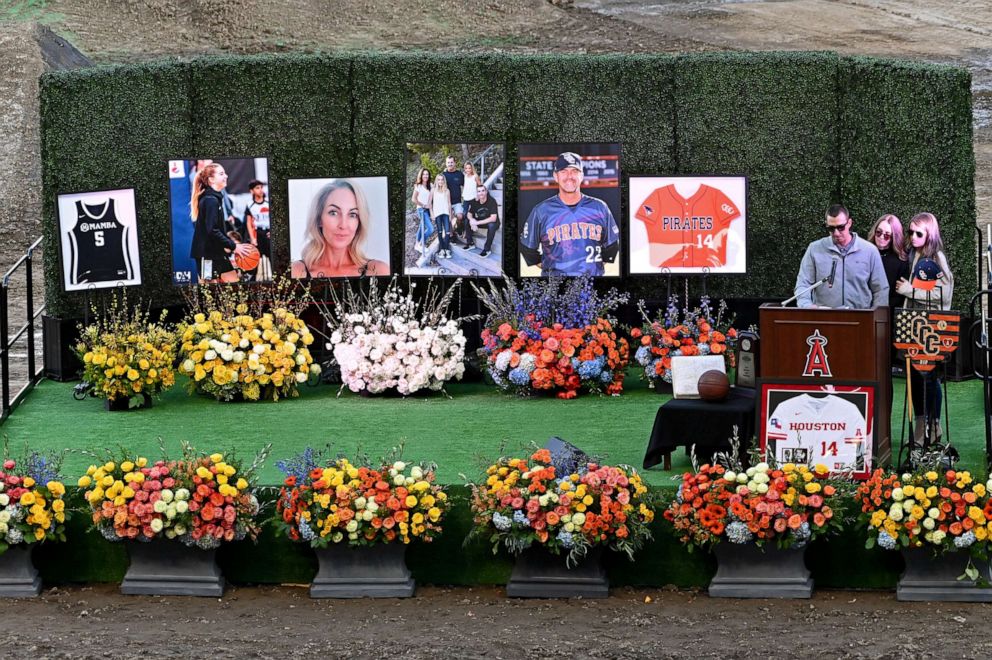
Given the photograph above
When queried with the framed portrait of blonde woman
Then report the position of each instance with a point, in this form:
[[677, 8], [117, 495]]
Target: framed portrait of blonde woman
[[339, 227]]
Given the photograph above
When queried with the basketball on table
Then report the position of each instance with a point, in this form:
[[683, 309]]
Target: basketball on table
[[713, 385], [249, 260]]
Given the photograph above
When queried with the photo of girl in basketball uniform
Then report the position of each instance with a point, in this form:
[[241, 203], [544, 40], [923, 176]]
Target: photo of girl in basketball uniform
[[220, 220]]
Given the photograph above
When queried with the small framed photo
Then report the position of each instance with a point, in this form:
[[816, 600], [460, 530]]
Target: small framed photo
[[98, 239], [453, 219], [339, 227], [220, 219], [568, 205], [687, 224], [827, 424]]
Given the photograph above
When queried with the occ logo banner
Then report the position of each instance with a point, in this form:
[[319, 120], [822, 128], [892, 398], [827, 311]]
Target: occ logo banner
[[927, 337]]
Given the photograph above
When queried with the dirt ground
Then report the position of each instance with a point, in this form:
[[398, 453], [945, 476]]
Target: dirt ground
[[283, 622], [96, 621]]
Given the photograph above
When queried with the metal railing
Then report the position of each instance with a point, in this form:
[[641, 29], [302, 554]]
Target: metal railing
[[33, 372]]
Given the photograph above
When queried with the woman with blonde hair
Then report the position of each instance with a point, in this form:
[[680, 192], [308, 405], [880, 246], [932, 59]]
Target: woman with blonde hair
[[212, 248], [472, 182], [441, 214], [931, 287], [338, 225]]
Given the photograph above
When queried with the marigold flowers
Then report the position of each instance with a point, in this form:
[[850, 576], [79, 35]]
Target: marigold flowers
[[339, 502], [521, 502], [789, 505], [944, 510]]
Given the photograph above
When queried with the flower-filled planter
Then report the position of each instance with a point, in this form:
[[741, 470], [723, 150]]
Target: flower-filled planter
[[127, 358], [941, 520], [681, 332], [758, 523], [386, 341], [557, 525], [174, 515], [553, 336], [32, 510], [359, 520]]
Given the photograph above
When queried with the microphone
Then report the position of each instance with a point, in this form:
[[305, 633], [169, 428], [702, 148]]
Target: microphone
[[833, 272]]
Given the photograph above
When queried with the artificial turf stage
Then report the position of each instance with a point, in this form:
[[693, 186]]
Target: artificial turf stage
[[457, 433]]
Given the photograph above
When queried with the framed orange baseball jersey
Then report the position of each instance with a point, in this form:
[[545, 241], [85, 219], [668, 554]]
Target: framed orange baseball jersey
[[687, 224]]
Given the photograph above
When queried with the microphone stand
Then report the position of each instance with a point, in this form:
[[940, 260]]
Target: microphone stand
[[808, 289]]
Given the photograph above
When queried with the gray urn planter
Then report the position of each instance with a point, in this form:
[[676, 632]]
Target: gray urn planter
[[747, 571], [538, 573], [930, 578], [18, 576], [165, 567], [374, 571]]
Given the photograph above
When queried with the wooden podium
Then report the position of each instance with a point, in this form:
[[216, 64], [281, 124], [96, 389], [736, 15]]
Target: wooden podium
[[854, 346]]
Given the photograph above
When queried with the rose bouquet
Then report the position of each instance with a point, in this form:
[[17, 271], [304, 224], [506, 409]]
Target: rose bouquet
[[553, 336], [132, 499], [388, 340], [125, 354], [32, 505], [696, 331], [199, 500], [941, 510], [338, 502], [228, 351], [523, 502], [789, 506], [222, 505]]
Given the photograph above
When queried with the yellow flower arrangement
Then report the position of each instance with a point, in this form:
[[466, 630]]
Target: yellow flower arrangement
[[247, 343], [32, 508], [256, 357], [125, 354]]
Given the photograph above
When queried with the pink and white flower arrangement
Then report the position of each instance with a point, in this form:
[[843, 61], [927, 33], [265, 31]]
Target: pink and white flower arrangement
[[390, 340]]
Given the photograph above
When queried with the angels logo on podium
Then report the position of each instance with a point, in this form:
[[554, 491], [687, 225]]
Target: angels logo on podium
[[816, 358], [926, 336]]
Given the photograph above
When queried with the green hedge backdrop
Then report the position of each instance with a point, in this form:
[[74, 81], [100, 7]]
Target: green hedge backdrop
[[809, 129]]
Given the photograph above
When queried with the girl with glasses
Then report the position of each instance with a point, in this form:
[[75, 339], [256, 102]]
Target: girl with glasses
[[922, 243], [886, 235]]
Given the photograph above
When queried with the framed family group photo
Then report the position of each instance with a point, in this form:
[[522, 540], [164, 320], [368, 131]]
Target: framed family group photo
[[454, 213]]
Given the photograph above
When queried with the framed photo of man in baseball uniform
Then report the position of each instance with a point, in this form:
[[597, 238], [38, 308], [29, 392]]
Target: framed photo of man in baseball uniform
[[687, 224], [831, 425], [98, 239], [568, 204]]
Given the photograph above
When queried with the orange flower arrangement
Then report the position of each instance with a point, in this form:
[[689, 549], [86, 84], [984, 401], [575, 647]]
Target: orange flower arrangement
[[523, 502], [790, 505], [945, 510], [698, 332], [557, 359], [357, 504], [553, 335]]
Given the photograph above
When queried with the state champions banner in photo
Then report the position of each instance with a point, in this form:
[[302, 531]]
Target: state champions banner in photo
[[927, 336]]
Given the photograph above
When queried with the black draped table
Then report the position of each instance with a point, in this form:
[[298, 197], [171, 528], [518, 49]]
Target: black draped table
[[708, 425]]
